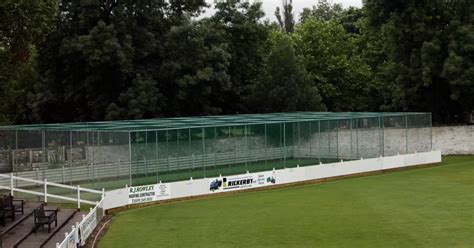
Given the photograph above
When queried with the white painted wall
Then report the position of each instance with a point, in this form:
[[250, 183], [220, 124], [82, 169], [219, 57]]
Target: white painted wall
[[119, 198]]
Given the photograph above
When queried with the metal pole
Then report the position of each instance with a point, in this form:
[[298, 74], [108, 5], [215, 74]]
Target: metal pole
[[247, 146], [350, 155], [357, 138], [146, 154], [406, 134], [16, 151], [299, 145], [130, 157], [203, 152], [71, 160], [43, 141], [156, 154], [431, 133], [337, 139], [310, 142], [319, 140], [284, 145], [266, 156]]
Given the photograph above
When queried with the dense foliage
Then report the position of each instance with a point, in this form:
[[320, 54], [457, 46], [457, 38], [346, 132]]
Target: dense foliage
[[65, 60]]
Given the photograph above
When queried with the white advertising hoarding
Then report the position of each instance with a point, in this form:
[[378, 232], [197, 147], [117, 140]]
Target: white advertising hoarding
[[148, 193], [239, 182]]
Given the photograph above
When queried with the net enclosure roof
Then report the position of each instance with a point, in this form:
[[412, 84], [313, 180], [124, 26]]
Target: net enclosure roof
[[202, 121]]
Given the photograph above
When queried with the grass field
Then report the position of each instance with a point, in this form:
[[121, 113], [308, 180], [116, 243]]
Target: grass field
[[429, 207]]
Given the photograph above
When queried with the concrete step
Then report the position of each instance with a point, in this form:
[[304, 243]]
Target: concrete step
[[24, 236], [58, 237]]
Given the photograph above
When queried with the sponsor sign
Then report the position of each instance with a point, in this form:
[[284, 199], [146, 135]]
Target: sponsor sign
[[148, 193], [220, 184]]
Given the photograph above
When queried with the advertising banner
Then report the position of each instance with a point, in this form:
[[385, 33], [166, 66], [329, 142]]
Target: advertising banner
[[239, 182], [148, 193]]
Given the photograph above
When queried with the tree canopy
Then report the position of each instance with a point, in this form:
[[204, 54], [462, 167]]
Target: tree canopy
[[64, 60]]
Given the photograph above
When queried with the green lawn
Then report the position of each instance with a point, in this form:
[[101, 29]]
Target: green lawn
[[430, 207]]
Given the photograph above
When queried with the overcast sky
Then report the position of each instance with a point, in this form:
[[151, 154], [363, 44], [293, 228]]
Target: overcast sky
[[298, 5]]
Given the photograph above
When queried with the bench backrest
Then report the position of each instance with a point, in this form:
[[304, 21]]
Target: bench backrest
[[39, 212]]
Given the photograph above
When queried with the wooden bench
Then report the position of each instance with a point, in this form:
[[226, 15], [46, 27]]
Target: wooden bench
[[19, 207], [45, 217], [7, 209]]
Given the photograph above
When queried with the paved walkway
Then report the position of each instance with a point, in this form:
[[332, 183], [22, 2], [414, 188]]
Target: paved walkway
[[22, 228]]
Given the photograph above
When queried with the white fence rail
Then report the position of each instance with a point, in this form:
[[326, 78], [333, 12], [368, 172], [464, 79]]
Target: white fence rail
[[12, 187], [82, 230]]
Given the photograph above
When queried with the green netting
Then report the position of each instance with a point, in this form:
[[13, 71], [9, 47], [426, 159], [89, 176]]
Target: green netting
[[112, 154]]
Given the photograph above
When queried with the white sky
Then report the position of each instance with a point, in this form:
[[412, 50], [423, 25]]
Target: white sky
[[298, 5]]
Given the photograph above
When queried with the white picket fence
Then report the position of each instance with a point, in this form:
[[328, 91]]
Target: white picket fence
[[82, 230], [80, 233]]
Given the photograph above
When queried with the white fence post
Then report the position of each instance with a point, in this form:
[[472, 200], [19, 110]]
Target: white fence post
[[78, 239], [45, 190], [11, 183], [78, 197]]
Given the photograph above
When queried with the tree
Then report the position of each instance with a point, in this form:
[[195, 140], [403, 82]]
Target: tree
[[23, 25], [422, 53], [284, 85], [246, 37], [103, 59], [330, 56], [287, 22], [195, 69], [323, 10]]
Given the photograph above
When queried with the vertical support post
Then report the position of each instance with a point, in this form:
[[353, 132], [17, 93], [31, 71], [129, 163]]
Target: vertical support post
[[45, 190], [319, 140], [177, 147], [310, 142], [229, 149], [357, 138], [329, 138], [284, 145], [247, 147], [382, 134], [266, 156], [337, 139], [16, 151], [11, 184], [43, 141], [146, 153], [103, 196], [78, 197], [350, 125], [431, 133], [62, 174], [189, 148], [130, 158], [215, 142], [299, 145], [406, 134], [71, 160], [203, 152], [156, 155], [118, 168]]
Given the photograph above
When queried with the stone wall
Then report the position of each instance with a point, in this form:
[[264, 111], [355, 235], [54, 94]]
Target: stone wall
[[454, 139]]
